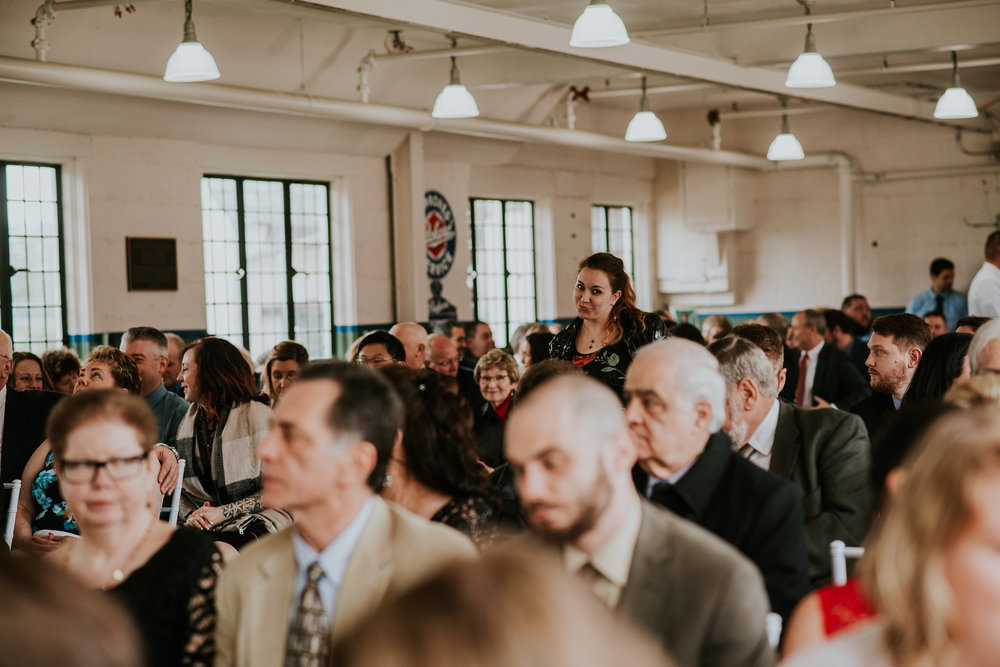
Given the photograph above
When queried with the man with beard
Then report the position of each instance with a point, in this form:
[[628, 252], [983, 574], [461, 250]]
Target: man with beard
[[570, 450], [825, 452], [895, 348], [675, 406]]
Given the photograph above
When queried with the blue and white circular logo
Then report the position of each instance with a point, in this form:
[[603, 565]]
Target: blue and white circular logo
[[440, 231]]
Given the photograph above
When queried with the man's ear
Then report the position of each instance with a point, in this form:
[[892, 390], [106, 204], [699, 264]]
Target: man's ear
[[702, 414], [164, 362], [363, 458], [782, 378], [913, 357]]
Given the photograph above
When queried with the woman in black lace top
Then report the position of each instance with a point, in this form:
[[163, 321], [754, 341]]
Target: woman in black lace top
[[434, 471], [165, 576], [609, 328]]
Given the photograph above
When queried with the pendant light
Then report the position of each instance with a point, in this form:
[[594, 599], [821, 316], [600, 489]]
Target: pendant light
[[956, 101], [190, 62], [455, 100], [785, 146], [598, 26], [810, 70], [645, 126]]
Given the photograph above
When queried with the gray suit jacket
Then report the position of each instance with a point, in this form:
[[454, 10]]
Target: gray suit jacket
[[254, 594], [701, 597], [826, 452]]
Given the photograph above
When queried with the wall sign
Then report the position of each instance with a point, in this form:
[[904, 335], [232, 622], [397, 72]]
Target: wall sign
[[439, 229]]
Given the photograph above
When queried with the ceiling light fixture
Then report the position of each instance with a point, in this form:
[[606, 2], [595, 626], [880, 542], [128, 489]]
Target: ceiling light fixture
[[455, 100], [785, 146], [598, 26], [645, 126], [809, 70], [190, 62], [956, 101]]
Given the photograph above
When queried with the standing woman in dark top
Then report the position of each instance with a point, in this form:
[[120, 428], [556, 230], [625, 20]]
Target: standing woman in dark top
[[433, 471], [609, 329]]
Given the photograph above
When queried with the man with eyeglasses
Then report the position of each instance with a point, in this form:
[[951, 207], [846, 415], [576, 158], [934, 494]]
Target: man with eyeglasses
[[442, 355], [380, 348], [22, 421]]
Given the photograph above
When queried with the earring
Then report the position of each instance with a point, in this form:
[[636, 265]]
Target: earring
[[388, 480]]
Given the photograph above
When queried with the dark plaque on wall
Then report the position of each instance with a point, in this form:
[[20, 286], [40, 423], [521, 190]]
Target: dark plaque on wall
[[152, 264]]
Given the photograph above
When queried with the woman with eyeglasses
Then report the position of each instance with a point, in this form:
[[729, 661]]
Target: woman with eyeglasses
[[496, 374], [43, 520], [218, 438], [102, 442]]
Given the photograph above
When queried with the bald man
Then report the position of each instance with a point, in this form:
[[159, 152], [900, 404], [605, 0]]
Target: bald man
[[442, 355], [414, 339]]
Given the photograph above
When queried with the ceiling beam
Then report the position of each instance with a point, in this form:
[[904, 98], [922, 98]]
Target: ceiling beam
[[552, 38]]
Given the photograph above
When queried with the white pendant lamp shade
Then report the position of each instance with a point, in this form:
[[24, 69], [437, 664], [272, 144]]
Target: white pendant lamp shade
[[455, 100], [598, 26], [810, 70], [190, 62], [785, 146], [645, 126], [955, 102]]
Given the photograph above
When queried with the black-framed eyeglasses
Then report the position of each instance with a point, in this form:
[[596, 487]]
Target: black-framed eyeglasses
[[85, 470]]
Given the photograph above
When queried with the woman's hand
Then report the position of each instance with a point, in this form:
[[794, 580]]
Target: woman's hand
[[40, 543], [205, 517]]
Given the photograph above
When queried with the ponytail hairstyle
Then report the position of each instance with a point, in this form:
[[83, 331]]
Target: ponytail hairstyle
[[625, 316]]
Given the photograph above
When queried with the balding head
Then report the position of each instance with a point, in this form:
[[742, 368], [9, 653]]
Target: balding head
[[571, 454], [984, 351], [675, 399], [414, 339], [442, 354], [6, 352]]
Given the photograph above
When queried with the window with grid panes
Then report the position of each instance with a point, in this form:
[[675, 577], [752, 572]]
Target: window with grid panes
[[267, 263], [611, 231], [503, 263], [33, 294]]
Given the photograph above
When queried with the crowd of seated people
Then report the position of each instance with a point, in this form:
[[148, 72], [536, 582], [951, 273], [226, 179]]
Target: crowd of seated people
[[623, 488]]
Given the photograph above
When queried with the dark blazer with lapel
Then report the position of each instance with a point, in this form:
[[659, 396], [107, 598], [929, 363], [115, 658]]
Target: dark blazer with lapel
[[873, 411], [837, 380], [755, 511], [791, 365], [701, 597], [23, 431], [826, 452]]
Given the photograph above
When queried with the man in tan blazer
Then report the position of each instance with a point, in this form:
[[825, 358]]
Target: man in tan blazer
[[570, 449], [324, 461]]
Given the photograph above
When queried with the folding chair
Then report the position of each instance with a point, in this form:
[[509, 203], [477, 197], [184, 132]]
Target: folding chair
[[15, 492], [839, 553], [772, 624]]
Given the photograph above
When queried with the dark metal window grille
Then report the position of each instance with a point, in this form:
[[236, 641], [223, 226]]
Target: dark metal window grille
[[611, 231], [267, 262], [33, 295], [503, 264]]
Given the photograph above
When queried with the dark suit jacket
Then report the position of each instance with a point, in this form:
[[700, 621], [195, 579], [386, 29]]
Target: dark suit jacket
[[837, 380], [704, 600], [826, 452], [791, 365], [23, 431], [874, 411], [757, 512], [857, 352]]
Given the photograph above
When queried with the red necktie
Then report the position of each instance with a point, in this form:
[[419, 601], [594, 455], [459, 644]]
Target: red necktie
[[800, 388]]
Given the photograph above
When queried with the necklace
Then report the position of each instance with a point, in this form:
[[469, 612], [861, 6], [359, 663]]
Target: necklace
[[118, 574]]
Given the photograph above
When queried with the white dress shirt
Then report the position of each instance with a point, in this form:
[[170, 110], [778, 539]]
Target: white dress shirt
[[984, 292], [762, 439], [334, 559]]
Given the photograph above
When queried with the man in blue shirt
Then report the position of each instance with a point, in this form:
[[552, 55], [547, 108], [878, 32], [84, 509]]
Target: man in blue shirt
[[148, 348], [941, 297]]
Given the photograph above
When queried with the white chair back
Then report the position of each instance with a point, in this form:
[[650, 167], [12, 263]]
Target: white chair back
[[15, 492], [175, 497], [772, 624], [839, 553]]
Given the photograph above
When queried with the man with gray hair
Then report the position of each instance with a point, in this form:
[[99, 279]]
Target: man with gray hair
[[984, 350], [825, 452], [149, 349], [570, 450], [675, 406], [827, 378]]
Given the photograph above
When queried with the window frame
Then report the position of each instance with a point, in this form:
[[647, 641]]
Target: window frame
[[607, 234], [506, 272], [290, 271], [6, 292]]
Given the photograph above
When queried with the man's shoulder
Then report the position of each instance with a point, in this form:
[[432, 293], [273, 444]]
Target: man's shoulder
[[421, 537], [33, 399], [693, 549], [876, 404], [269, 550], [175, 402], [762, 485], [809, 422]]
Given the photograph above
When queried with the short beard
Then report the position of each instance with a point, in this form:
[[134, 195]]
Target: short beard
[[888, 384], [598, 498], [737, 430]]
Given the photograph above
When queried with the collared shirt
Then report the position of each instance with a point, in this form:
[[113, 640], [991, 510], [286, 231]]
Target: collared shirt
[[169, 409], [762, 439], [896, 402], [613, 560], [334, 559], [812, 360], [673, 479], [984, 292], [953, 304]]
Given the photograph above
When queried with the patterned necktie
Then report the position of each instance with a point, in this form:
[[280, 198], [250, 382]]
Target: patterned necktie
[[800, 388], [309, 635], [746, 451]]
